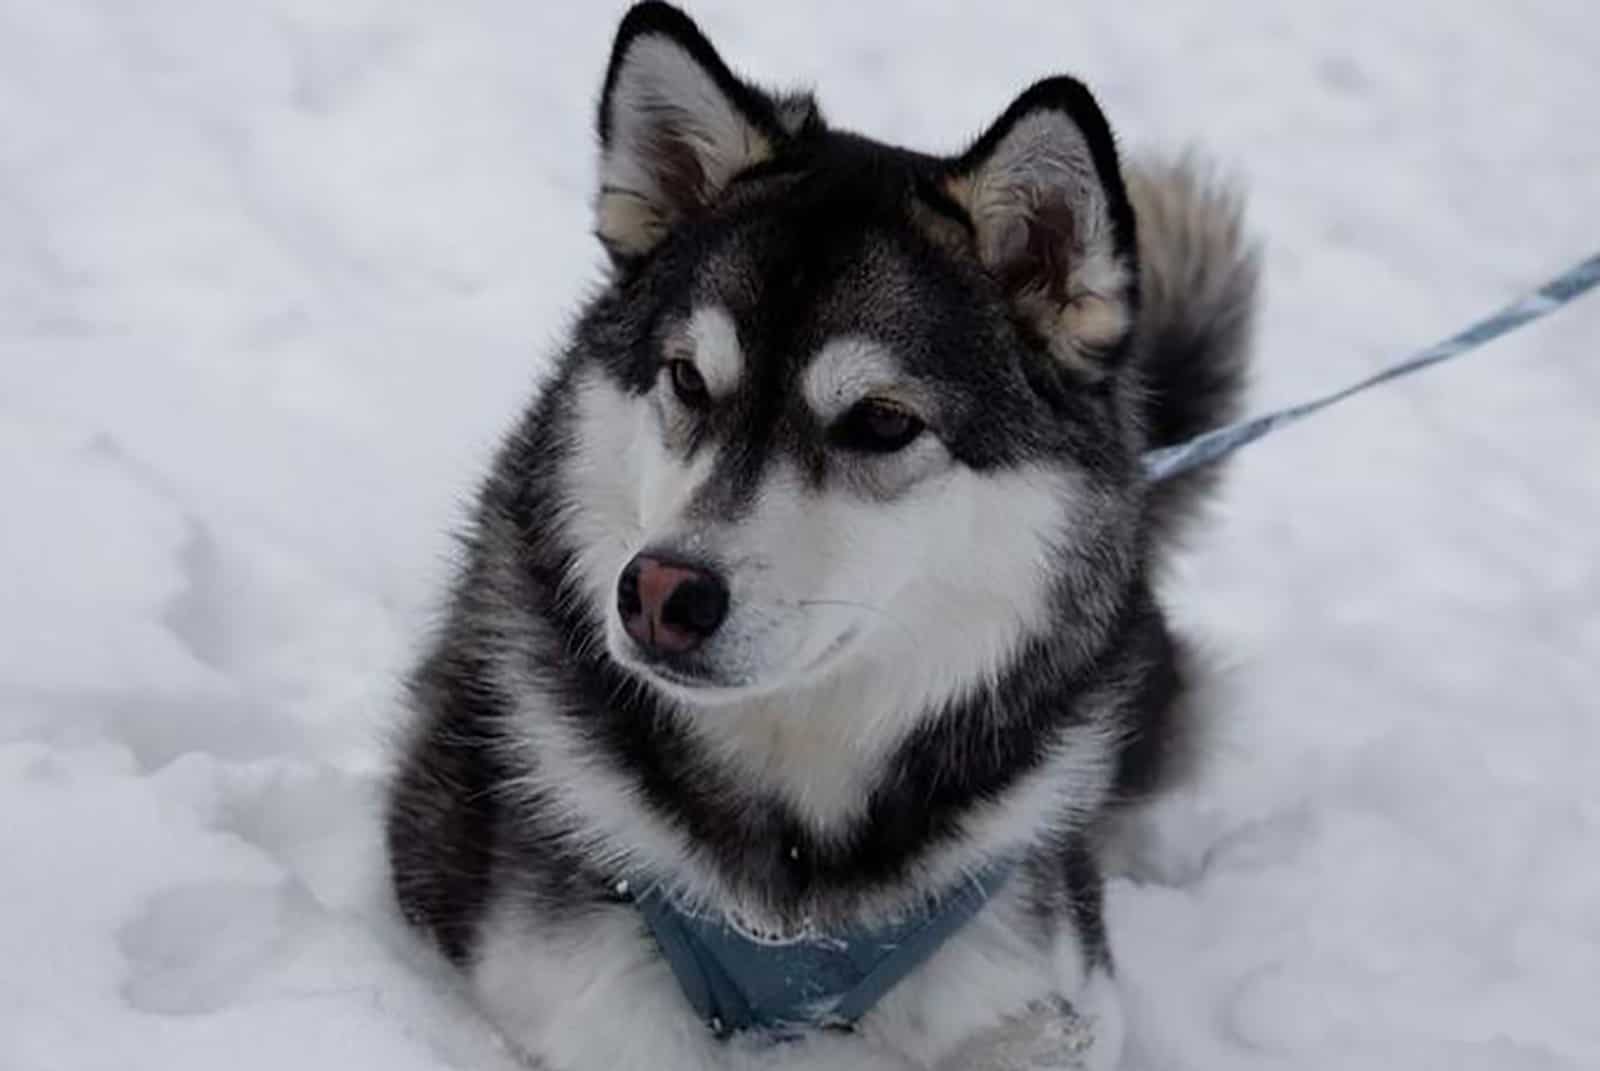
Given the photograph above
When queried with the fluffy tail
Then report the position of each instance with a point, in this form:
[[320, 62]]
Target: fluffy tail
[[1198, 282]]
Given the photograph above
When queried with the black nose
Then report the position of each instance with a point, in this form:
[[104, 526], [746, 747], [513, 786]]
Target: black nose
[[670, 607]]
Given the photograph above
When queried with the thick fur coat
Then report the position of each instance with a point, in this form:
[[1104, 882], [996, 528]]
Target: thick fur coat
[[819, 575]]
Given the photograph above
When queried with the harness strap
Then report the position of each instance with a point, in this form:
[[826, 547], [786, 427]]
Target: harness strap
[[735, 981], [917, 947]]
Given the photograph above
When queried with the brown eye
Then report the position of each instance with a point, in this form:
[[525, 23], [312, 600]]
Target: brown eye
[[688, 384], [877, 427]]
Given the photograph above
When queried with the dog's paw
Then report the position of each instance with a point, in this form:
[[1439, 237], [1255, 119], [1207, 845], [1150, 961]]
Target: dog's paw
[[1049, 1035]]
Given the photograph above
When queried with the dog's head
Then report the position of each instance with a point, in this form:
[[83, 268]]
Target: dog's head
[[841, 402]]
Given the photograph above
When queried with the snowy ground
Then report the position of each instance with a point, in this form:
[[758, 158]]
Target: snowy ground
[[274, 276]]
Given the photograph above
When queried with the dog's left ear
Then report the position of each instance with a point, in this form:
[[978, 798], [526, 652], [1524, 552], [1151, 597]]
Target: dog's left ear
[[676, 125], [1053, 224]]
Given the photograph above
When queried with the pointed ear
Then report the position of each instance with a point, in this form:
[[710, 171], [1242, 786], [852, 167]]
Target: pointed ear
[[1052, 222], [675, 126]]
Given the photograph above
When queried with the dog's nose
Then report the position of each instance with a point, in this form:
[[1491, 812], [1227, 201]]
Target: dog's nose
[[670, 607]]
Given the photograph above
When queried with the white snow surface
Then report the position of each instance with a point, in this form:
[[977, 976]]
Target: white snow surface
[[276, 275]]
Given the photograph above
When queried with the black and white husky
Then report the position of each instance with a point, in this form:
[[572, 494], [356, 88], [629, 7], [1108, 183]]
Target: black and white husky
[[813, 594]]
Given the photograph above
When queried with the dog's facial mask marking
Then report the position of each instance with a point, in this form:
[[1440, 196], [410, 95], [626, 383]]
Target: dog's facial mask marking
[[876, 418], [882, 555], [807, 435], [795, 553], [700, 367]]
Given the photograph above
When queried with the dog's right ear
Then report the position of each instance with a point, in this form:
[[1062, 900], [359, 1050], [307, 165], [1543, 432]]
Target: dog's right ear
[[675, 127]]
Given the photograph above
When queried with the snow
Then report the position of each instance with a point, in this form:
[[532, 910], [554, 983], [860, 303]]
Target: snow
[[277, 274]]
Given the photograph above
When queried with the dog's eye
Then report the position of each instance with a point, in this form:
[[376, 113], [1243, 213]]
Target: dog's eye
[[688, 384], [877, 427]]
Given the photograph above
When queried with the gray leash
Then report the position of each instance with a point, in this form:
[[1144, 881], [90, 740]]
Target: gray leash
[[1170, 461]]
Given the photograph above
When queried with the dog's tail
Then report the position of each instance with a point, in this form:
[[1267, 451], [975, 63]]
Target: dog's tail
[[1198, 284]]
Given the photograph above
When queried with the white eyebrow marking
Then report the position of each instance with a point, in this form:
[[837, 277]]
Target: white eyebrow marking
[[847, 369], [716, 352]]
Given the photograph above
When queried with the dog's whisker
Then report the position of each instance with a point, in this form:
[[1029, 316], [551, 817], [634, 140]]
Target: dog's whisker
[[852, 605]]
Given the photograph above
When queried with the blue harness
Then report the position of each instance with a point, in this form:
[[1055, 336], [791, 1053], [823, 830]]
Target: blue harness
[[735, 981]]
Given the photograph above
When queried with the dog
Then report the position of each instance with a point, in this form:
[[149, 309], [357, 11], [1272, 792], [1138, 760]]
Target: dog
[[808, 612]]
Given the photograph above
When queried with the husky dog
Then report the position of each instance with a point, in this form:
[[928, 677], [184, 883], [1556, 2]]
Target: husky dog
[[813, 594]]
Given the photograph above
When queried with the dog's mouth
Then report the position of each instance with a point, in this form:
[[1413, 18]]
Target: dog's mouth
[[691, 678], [686, 676], [831, 652]]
